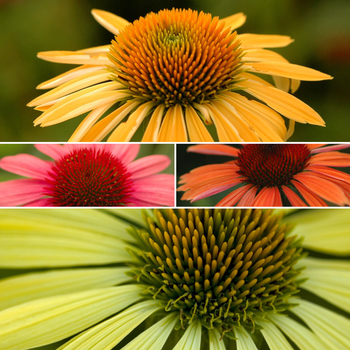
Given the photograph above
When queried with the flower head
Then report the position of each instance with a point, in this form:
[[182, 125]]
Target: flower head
[[203, 279], [272, 174], [177, 71], [88, 175]]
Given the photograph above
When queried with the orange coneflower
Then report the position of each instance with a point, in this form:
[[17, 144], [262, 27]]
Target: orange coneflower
[[267, 174], [178, 71]]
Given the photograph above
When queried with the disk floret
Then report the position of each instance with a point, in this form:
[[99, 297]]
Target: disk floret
[[272, 165], [224, 267], [176, 57], [89, 177]]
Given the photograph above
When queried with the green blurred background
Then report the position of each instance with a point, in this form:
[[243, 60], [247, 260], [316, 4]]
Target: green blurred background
[[321, 29]]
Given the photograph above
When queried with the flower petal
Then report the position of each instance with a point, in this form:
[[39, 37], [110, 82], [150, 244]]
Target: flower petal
[[234, 21], [244, 340], [282, 102], [196, 130], [262, 40], [232, 198], [173, 128], [293, 198], [215, 341], [329, 279], [148, 165], [327, 231], [25, 326], [110, 21], [37, 238], [273, 336], [330, 327], [215, 149], [191, 340], [109, 333], [22, 288], [26, 165], [155, 336], [20, 192], [152, 130], [299, 334], [267, 197], [335, 159]]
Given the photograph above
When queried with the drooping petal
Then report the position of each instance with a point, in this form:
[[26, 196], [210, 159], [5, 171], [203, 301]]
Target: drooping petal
[[234, 21], [196, 130], [244, 340], [22, 288], [268, 197], [293, 198], [282, 102], [20, 192], [322, 187], [215, 341], [110, 21], [25, 326], [310, 197], [330, 327], [327, 232], [274, 337], [155, 336], [109, 333], [329, 279], [262, 40], [299, 334], [148, 165], [215, 149], [26, 165], [152, 131], [37, 238], [248, 197], [173, 127], [191, 340], [232, 198]]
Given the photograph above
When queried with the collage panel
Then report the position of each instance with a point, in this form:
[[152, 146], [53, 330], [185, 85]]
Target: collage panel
[[174, 279], [87, 175], [161, 187], [263, 175]]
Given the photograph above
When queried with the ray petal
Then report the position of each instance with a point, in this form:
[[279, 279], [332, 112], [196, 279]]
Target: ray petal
[[262, 40], [110, 21]]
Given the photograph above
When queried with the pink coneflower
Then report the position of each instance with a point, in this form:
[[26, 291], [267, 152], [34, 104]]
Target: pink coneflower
[[266, 174], [87, 175]]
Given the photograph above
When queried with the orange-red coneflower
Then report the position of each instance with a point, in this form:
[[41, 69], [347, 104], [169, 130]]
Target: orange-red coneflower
[[177, 71], [267, 175]]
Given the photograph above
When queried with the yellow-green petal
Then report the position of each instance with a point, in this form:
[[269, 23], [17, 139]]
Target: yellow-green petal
[[273, 336], [26, 325], [215, 341], [330, 327], [20, 289], [191, 340], [154, 337], [329, 279], [326, 231], [300, 335], [109, 333], [244, 340]]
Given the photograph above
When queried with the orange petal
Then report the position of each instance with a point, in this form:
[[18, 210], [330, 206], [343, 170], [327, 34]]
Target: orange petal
[[267, 197], [293, 198], [232, 198], [72, 57], [248, 198], [215, 149], [322, 187], [336, 159], [311, 198], [173, 128], [261, 40], [234, 21], [197, 132], [332, 173], [110, 21]]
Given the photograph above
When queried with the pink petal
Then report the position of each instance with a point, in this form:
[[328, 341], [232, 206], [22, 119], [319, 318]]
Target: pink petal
[[26, 165], [156, 190], [293, 198], [42, 202], [220, 150], [19, 192], [126, 152], [52, 150], [148, 165], [232, 198]]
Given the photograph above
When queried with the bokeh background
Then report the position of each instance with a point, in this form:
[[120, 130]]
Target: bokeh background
[[186, 161], [321, 29]]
